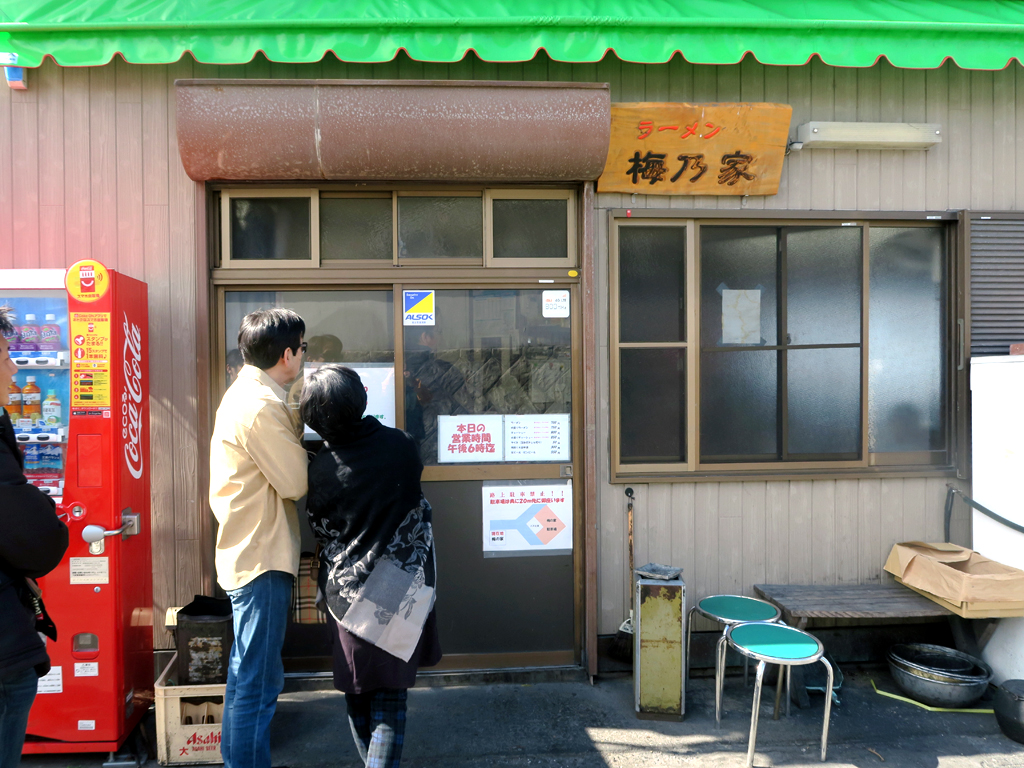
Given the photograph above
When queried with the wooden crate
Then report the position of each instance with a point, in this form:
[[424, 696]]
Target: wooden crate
[[974, 610], [191, 744]]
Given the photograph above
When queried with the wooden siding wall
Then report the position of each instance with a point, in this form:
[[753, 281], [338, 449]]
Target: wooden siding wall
[[89, 167]]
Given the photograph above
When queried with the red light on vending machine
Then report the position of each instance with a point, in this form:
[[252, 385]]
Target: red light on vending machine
[[87, 444]]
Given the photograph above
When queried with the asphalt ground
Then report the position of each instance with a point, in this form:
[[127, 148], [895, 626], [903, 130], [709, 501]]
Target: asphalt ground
[[577, 725]]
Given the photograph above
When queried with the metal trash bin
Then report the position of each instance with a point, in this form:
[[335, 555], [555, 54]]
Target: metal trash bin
[[204, 636], [659, 665]]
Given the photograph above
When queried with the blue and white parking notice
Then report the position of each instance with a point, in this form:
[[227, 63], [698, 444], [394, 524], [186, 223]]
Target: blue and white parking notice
[[418, 308]]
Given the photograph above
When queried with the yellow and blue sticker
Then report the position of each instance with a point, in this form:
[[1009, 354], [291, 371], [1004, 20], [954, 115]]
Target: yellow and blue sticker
[[417, 308]]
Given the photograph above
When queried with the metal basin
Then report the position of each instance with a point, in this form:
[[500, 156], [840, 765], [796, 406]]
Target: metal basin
[[937, 662], [935, 686]]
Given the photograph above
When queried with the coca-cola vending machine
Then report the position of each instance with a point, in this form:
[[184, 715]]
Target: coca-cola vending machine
[[80, 407]]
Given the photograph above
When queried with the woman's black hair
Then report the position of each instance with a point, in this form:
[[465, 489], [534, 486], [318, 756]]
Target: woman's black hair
[[266, 333], [333, 400]]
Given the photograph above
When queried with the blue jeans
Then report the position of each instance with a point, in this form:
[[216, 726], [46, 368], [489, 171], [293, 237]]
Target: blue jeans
[[17, 693], [259, 612]]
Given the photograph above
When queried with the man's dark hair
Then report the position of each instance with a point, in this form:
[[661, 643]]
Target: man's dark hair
[[333, 400], [6, 320], [266, 333], [234, 359]]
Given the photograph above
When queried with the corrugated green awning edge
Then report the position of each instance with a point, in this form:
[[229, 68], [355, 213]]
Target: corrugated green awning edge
[[845, 43]]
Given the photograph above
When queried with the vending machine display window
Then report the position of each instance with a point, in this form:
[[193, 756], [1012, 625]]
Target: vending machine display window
[[39, 395]]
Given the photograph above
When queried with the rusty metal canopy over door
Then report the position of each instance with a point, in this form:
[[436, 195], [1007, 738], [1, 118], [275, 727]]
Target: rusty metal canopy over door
[[361, 130]]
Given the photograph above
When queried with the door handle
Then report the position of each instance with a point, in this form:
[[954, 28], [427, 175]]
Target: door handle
[[129, 527]]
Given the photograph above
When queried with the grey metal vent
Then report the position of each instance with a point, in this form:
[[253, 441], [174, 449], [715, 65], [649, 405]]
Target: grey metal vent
[[997, 285]]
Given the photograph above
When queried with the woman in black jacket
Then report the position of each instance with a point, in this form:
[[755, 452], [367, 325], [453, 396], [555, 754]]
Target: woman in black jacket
[[377, 574], [32, 544]]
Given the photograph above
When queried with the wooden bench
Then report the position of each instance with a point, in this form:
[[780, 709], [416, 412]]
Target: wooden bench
[[799, 603]]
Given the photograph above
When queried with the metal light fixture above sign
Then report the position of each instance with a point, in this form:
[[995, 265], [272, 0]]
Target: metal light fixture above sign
[[821, 135]]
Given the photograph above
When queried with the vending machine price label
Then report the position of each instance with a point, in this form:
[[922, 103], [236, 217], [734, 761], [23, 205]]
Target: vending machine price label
[[90, 570], [90, 363]]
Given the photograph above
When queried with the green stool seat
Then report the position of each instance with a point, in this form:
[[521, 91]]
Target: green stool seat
[[771, 643], [728, 610], [776, 642], [733, 609]]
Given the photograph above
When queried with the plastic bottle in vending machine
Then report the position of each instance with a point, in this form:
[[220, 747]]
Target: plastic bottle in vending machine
[[31, 401], [32, 460], [14, 401], [50, 412], [49, 334], [29, 332]]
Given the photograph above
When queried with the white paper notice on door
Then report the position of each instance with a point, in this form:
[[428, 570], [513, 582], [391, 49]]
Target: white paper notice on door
[[464, 439], [527, 518], [741, 316], [90, 570], [52, 681], [537, 437]]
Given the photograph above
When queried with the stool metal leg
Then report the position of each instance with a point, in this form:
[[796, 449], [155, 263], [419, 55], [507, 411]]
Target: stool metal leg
[[828, 708], [789, 693], [719, 677], [758, 679], [778, 692], [746, 670]]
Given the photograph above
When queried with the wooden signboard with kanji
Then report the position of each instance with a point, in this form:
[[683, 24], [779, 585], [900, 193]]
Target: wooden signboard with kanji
[[696, 149]]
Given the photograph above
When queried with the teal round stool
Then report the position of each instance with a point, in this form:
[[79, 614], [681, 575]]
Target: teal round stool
[[773, 643], [728, 610]]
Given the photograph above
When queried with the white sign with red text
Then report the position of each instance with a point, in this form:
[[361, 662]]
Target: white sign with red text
[[468, 439], [533, 519]]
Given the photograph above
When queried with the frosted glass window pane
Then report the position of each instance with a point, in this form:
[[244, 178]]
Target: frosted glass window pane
[[440, 228], [825, 272], [907, 348], [652, 284], [738, 406], [652, 422], [530, 229], [355, 228], [274, 228], [738, 259], [824, 402]]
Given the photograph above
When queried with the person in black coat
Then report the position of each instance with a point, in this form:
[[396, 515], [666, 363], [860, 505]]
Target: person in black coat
[[377, 572], [32, 543]]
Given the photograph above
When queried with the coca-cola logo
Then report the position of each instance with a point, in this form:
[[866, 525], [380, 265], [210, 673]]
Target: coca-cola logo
[[131, 399]]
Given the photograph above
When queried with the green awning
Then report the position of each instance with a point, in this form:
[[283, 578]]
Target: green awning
[[976, 34]]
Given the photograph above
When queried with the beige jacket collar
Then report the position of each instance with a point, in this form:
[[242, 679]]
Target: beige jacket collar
[[254, 373]]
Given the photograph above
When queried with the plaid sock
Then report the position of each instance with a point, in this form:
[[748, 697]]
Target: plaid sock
[[387, 726]]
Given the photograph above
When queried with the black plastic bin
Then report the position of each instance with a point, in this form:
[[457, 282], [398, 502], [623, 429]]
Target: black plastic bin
[[204, 636]]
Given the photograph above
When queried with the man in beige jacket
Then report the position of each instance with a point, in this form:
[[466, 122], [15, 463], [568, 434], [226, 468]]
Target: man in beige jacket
[[257, 470]]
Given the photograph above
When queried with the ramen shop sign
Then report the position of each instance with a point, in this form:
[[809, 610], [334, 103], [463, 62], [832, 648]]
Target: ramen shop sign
[[696, 149]]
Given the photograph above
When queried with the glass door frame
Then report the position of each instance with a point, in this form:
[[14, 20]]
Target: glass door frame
[[478, 278]]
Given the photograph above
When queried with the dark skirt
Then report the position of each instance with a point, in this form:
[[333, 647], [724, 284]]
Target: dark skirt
[[360, 667]]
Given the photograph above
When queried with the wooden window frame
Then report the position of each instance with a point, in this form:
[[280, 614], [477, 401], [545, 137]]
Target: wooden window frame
[[615, 346], [569, 195], [227, 195], [902, 464]]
